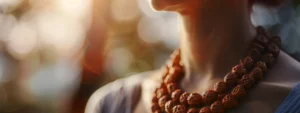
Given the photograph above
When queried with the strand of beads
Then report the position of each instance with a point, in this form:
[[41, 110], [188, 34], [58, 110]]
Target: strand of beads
[[225, 95]]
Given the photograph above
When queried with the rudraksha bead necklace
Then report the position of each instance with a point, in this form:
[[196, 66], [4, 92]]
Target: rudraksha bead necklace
[[169, 98]]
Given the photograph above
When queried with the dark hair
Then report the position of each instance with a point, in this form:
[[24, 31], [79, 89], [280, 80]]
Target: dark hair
[[267, 2]]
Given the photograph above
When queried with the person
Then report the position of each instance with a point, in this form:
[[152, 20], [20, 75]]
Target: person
[[216, 35]]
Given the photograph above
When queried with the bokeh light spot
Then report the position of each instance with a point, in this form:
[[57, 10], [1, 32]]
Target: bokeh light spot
[[22, 39], [124, 10], [118, 61], [150, 30]]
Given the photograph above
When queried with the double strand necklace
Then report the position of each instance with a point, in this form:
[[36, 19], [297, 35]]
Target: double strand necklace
[[170, 98]]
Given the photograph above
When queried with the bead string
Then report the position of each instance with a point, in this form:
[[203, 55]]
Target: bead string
[[170, 98]]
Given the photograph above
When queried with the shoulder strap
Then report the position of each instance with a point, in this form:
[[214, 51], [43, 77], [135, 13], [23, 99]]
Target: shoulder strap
[[291, 104]]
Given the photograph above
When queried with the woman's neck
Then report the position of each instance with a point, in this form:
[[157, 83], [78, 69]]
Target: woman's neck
[[216, 36]]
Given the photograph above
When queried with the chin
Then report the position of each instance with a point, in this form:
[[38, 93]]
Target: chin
[[167, 5], [157, 5]]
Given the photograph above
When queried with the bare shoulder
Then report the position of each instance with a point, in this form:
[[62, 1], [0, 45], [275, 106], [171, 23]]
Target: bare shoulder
[[286, 71], [269, 94], [148, 87], [111, 97]]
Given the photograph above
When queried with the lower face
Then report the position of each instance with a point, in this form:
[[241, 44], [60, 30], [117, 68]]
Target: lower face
[[180, 5]]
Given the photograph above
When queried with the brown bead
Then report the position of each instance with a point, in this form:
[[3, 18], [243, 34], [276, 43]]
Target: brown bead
[[260, 30], [276, 40], [268, 59], [154, 107], [262, 39], [239, 70], [230, 79], [217, 107], [183, 98], [175, 58], [262, 65], [274, 49], [254, 54], [161, 92], [209, 96], [165, 72], [193, 110], [258, 46], [164, 77], [179, 109], [163, 86], [175, 53], [172, 87], [205, 110], [176, 71], [221, 96], [238, 92], [220, 87], [158, 111], [247, 81], [247, 62], [162, 101], [176, 95], [170, 79], [257, 74], [154, 98], [195, 99], [175, 61], [229, 102], [169, 106]]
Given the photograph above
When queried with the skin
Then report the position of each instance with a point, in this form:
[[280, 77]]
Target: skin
[[216, 34]]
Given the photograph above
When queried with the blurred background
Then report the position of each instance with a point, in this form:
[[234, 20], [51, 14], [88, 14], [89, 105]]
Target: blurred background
[[55, 53]]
